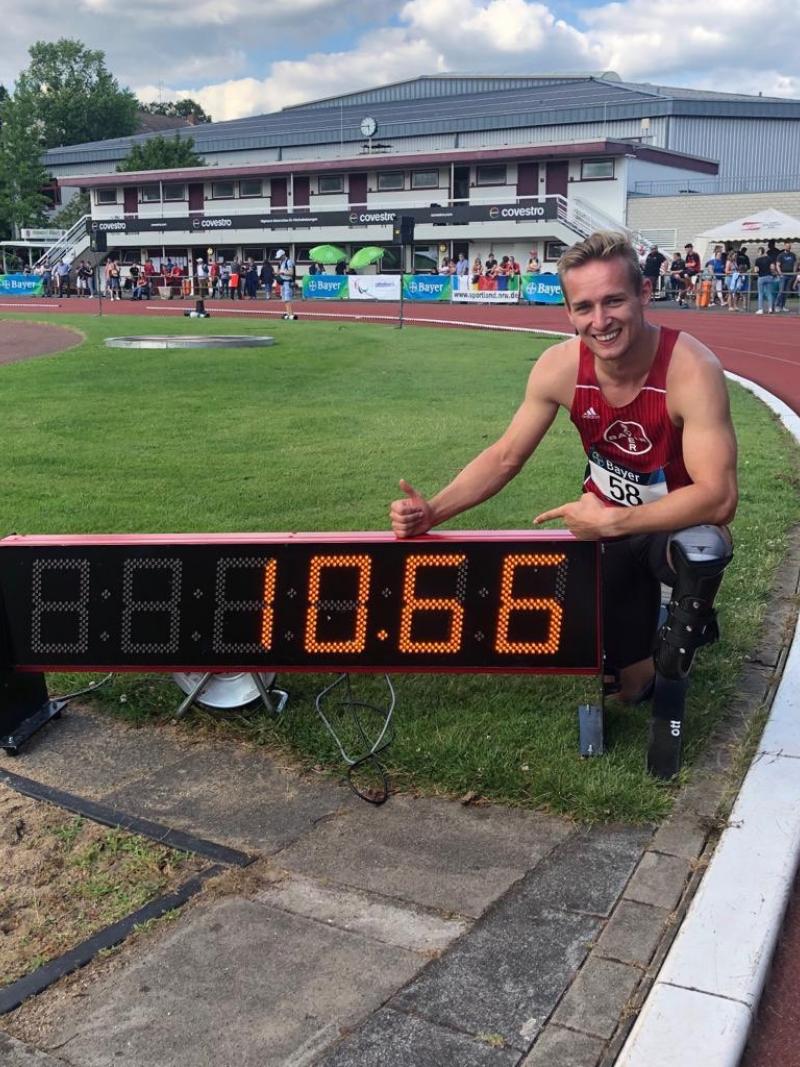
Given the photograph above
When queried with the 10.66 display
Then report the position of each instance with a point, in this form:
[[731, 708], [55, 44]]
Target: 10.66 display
[[499, 601]]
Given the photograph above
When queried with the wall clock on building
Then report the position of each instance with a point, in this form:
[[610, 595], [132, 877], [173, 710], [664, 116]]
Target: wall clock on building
[[368, 126]]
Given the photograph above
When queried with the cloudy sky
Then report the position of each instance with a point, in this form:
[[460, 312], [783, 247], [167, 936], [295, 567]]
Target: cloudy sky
[[244, 57]]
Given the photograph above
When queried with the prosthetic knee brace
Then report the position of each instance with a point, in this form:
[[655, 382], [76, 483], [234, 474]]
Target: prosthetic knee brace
[[698, 555]]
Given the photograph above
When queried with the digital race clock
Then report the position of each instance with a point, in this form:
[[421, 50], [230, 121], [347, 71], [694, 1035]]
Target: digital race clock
[[500, 601]]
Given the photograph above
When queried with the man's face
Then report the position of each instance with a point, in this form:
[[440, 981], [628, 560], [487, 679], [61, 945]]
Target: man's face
[[787, 246], [604, 307]]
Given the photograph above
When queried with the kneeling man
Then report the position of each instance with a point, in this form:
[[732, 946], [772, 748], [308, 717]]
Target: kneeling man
[[651, 406]]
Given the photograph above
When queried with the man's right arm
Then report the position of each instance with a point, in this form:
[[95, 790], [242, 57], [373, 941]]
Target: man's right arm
[[493, 468]]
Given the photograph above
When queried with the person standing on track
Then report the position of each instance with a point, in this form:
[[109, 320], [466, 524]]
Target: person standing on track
[[286, 278], [651, 407]]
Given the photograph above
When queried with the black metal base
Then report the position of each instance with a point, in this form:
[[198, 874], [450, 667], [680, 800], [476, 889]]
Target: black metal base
[[25, 707], [666, 727], [591, 739]]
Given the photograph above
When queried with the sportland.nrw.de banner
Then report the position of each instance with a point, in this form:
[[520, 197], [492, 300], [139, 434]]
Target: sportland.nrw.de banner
[[21, 285], [374, 286]]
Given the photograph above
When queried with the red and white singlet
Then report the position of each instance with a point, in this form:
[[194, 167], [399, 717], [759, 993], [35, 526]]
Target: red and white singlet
[[634, 452]]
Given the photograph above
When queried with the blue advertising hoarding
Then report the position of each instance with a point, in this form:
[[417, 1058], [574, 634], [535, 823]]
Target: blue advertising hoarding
[[542, 289], [427, 287], [325, 287], [21, 285]]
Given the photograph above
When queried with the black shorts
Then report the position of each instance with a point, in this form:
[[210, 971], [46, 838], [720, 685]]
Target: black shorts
[[633, 569]]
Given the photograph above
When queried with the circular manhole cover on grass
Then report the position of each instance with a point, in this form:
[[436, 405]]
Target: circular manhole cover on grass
[[189, 341]]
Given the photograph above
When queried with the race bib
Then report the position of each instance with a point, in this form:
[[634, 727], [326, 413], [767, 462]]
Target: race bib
[[624, 486]]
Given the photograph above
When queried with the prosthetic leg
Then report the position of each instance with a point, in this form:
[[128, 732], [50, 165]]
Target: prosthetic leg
[[699, 555]]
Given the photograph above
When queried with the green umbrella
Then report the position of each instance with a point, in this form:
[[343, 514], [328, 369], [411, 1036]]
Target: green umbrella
[[327, 254], [364, 256]]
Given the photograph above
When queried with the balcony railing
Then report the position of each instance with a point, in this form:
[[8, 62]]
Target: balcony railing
[[700, 186]]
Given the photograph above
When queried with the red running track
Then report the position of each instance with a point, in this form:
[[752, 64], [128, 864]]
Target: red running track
[[765, 349]]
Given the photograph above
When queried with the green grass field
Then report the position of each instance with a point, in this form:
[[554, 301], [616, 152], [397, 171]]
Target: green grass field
[[313, 434]]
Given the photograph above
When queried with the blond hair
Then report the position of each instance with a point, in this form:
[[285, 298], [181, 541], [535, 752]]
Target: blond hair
[[602, 245]]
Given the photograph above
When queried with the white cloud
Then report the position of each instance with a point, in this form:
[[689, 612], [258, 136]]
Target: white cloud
[[224, 54], [726, 43]]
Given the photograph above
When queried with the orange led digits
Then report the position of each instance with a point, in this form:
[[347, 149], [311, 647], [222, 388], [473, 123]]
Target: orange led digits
[[509, 603], [412, 603], [363, 564], [270, 572]]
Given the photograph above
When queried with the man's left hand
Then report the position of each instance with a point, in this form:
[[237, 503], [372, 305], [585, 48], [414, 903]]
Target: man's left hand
[[588, 518]]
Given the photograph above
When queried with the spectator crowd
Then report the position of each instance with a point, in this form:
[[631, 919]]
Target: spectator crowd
[[727, 278]]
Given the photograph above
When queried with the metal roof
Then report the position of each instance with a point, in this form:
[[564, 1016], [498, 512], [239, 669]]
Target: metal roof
[[577, 149], [576, 100]]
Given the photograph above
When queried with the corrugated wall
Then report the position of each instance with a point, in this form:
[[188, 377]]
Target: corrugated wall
[[742, 146]]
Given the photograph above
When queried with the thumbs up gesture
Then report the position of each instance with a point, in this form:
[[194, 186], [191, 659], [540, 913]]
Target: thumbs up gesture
[[412, 515]]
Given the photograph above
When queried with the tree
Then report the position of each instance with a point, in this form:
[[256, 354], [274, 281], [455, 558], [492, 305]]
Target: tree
[[72, 94], [177, 109], [22, 175], [162, 153], [75, 208]]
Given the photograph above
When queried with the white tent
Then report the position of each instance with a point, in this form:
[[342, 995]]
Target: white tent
[[761, 226]]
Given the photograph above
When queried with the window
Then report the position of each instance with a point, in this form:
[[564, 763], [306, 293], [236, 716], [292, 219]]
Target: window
[[174, 192], [426, 259], [105, 196], [596, 168], [250, 187], [224, 255], [222, 190], [425, 179], [491, 175], [392, 260], [395, 180], [330, 183], [254, 253], [149, 194], [554, 250]]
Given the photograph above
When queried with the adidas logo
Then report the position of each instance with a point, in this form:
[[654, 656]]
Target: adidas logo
[[590, 413]]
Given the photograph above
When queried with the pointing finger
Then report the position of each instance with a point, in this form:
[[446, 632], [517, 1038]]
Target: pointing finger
[[546, 516]]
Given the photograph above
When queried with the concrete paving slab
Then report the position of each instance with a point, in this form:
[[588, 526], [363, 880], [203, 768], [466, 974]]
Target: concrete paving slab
[[235, 983], [504, 978], [659, 880], [375, 917], [596, 999], [394, 1039], [589, 872], [633, 933], [681, 835], [435, 853], [564, 1048], [91, 754], [15, 1053], [237, 795]]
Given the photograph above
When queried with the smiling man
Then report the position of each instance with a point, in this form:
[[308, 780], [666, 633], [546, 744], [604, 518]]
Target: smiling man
[[651, 407]]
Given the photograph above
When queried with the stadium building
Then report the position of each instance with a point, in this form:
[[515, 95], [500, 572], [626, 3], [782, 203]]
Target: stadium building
[[508, 164]]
